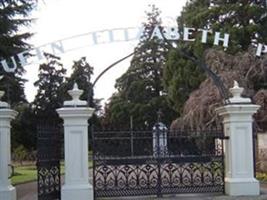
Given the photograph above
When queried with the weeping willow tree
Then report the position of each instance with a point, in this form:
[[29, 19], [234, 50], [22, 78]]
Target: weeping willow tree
[[249, 71]]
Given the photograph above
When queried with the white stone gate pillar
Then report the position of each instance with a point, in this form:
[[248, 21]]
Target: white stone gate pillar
[[7, 191], [239, 168], [75, 115]]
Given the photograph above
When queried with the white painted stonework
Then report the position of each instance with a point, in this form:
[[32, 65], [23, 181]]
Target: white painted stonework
[[75, 93], [77, 186], [239, 168], [7, 191]]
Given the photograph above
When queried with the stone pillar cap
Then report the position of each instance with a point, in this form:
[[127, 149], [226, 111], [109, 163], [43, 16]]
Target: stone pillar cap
[[75, 93], [236, 91], [2, 103]]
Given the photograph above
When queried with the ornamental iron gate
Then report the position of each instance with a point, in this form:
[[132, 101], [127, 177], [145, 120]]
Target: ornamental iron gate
[[48, 161], [157, 162]]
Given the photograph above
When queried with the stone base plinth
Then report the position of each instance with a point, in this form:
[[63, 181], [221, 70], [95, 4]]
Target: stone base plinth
[[8, 193], [242, 187], [77, 192]]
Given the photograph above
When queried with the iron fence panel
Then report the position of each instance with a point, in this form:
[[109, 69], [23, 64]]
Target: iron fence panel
[[48, 161], [136, 163]]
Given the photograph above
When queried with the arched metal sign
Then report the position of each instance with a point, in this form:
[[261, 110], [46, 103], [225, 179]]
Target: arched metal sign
[[129, 34], [172, 34], [108, 36]]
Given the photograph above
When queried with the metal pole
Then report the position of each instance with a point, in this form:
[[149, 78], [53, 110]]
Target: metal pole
[[158, 161], [131, 128]]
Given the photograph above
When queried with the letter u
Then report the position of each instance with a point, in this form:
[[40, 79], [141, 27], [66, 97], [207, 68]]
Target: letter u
[[7, 68]]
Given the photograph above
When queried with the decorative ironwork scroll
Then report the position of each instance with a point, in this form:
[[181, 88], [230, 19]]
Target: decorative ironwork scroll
[[48, 162], [125, 163]]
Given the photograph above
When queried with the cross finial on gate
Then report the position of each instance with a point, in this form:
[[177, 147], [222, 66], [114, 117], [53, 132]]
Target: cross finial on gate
[[159, 113]]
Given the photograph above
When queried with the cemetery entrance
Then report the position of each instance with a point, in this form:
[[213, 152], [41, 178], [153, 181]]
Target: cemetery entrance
[[157, 162]]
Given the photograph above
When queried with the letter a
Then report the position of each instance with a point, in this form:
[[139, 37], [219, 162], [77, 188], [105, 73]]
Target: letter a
[[156, 33]]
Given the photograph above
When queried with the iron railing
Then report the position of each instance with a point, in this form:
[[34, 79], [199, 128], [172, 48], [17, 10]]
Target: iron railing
[[125, 162]]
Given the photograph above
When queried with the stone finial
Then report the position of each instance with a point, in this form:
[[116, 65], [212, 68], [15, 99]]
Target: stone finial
[[236, 85], [2, 103], [236, 91], [75, 93]]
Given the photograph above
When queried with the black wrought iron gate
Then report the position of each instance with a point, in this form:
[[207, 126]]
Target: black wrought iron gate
[[48, 161], [131, 163]]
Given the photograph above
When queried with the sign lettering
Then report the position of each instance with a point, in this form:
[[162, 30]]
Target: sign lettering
[[117, 35]]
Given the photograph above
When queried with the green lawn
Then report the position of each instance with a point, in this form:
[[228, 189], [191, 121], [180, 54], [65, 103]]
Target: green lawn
[[28, 173], [24, 174]]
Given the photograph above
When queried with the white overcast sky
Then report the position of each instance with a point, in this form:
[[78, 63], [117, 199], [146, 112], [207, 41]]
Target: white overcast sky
[[57, 19]]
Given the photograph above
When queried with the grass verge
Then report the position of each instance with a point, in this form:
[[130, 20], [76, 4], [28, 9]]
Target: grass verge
[[28, 173], [24, 174]]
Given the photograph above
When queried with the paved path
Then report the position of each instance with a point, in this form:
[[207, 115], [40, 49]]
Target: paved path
[[28, 191]]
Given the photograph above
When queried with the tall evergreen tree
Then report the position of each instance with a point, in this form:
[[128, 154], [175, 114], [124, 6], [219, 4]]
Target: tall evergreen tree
[[14, 14], [81, 74], [49, 95], [140, 89], [24, 128]]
